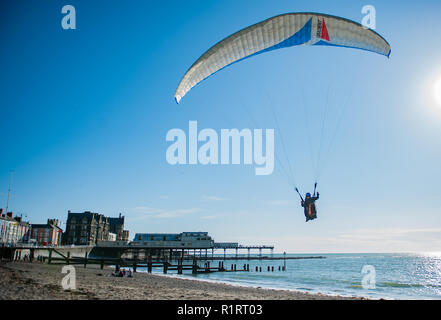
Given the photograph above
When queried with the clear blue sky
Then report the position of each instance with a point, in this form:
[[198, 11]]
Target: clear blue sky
[[84, 114]]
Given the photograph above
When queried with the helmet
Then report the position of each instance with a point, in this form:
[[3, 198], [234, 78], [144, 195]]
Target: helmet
[[308, 194]]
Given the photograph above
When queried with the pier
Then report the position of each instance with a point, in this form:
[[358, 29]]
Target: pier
[[138, 256]]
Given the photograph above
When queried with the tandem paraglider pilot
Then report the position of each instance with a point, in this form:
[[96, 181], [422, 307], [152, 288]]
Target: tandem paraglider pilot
[[308, 204]]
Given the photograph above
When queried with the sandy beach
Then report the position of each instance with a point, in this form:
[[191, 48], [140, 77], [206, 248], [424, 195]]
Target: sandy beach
[[29, 281]]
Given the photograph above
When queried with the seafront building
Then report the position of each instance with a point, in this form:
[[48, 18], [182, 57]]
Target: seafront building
[[89, 228], [116, 227], [47, 234], [12, 229]]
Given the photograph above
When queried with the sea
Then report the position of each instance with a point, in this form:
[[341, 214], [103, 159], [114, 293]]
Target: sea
[[370, 275]]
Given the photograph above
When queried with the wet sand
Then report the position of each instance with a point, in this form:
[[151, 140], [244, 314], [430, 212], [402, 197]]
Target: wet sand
[[35, 281]]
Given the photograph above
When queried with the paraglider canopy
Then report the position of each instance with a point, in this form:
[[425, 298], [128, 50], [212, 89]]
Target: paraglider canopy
[[286, 30]]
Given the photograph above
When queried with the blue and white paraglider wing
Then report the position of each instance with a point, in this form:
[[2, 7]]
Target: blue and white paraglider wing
[[282, 31]]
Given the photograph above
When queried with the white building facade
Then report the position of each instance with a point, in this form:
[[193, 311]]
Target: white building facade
[[13, 231]]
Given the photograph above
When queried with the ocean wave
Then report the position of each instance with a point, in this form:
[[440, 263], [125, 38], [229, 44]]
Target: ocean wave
[[399, 285]]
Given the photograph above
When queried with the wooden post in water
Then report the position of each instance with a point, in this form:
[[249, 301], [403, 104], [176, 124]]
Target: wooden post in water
[[85, 259], [284, 261]]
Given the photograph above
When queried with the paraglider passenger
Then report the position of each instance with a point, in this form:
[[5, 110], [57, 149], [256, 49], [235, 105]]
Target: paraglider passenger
[[309, 206]]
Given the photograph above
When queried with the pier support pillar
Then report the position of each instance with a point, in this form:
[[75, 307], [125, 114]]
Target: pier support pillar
[[180, 266], [194, 268], [149, 265], [165, 267]]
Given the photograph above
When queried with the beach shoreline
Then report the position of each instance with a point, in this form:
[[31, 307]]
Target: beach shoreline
[[37, 281]]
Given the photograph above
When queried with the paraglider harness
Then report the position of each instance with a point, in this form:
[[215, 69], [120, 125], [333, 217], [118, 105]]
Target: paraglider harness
[[309, 204]]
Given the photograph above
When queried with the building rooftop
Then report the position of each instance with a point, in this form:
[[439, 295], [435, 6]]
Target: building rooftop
[[44, 225]]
